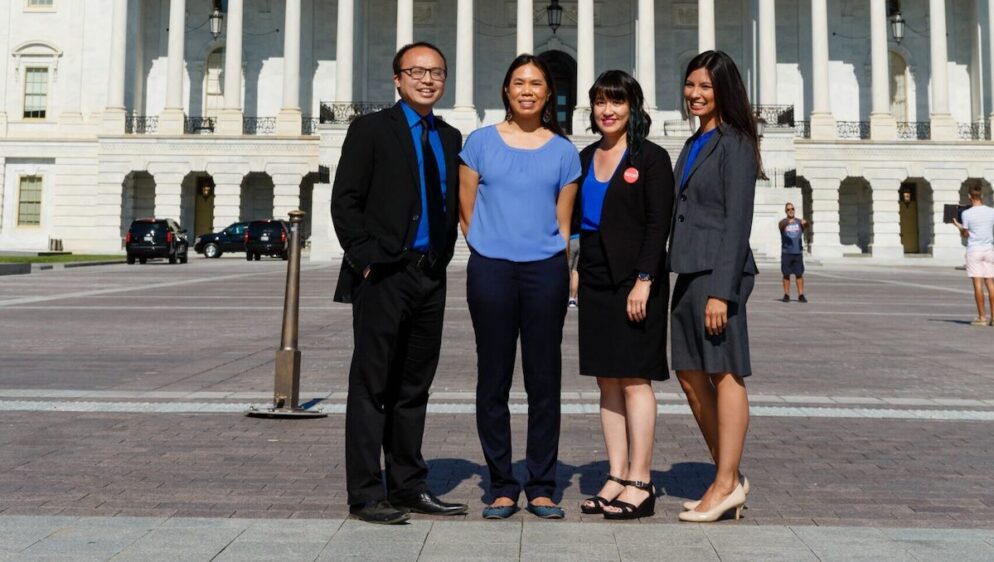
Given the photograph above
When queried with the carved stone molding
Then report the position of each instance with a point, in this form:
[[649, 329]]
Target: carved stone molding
[[684, 15]]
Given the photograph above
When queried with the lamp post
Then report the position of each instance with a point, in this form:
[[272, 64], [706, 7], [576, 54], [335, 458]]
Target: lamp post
[[555, 13], [897, 27], [216, 21]]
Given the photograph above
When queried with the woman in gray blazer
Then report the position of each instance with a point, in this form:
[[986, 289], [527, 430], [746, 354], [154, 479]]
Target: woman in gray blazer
[[709, 249]]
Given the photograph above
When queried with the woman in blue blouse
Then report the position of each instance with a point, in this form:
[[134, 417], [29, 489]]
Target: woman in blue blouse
[[517, 185], [626, 198]]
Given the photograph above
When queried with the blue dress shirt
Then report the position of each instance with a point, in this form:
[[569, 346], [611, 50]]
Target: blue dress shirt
[[414, 122], [695, 149]]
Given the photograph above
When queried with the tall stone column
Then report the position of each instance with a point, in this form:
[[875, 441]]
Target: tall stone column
[[288, 121], [526, 33], [646, 56], [464, 112], [405, 22], [172, 118], [705, 26], [990, 57], [115, 112], [343, 50], [767, 52], [825, 241], [230, 119], [584, 64], [943, 125], [822, 120], [886, 214], [976, 65], [883, 125]]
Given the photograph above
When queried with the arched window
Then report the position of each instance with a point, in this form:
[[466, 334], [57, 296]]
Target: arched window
[[898, 86], [214, 83]]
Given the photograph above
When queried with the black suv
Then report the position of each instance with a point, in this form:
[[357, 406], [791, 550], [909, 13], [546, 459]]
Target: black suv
[[156, 238], [231, 239], [268, 237]]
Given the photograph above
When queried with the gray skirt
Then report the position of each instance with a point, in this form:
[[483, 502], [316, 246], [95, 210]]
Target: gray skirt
[[691, 348]]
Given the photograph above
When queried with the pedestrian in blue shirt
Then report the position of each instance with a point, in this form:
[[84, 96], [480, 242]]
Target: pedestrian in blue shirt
[[517, 185]]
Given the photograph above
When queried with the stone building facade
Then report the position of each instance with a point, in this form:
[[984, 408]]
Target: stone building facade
[[116, 109]]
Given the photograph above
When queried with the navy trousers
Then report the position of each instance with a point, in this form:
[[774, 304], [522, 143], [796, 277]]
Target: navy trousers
[[507, 299]]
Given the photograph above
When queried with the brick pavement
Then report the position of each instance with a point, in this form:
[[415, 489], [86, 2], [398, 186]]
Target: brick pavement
[[870, 339]]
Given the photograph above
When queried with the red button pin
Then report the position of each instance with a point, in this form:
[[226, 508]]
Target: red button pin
[[631, 175]]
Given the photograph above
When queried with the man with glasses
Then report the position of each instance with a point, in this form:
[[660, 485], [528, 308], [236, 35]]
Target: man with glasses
[[395, 213], [792, 253]]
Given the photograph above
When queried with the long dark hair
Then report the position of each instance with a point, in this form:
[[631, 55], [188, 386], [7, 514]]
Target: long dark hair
[[730, 96], [549, 111], [619, 86]]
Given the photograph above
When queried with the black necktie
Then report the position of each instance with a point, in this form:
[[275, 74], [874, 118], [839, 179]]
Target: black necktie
[[433, 190]]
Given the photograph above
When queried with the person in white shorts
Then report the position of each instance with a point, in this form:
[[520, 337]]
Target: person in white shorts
[[977, 227]]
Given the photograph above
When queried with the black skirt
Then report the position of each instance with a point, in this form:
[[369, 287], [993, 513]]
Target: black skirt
[[692, 348], [611, 345]]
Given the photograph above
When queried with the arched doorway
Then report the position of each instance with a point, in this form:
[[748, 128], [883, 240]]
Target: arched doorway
[[915, 211], [197, 203], [256, 202], [563, 70], [855, 214], [137, 198]]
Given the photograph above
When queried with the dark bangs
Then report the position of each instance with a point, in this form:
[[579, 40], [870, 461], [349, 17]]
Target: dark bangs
[[619, 86]]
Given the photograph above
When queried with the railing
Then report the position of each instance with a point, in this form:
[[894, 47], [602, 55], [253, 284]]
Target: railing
[[802, 129], [981, 130], [259, 125], [914, 130], [140, 124], [853, 129], [199, 125], [775, 177], [309, 125], [346, 112], [776, 116]]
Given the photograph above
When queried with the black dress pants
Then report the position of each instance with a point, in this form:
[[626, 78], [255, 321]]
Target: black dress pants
[[506, 299], [397, 324]]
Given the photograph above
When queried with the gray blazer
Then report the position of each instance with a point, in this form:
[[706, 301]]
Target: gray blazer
[[712, 215]]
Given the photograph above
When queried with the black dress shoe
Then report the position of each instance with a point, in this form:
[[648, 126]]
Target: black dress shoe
[[378, 512], [429, 504]]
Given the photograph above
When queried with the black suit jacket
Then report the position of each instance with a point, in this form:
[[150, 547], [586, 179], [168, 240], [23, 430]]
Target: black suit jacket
[[713, 215], [376, 199], [636, 217]]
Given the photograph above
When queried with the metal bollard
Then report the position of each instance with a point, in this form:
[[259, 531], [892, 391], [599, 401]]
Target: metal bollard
[[286, 392]]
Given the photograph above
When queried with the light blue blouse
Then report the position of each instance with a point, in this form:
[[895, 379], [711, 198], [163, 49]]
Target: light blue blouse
[[514, 217]]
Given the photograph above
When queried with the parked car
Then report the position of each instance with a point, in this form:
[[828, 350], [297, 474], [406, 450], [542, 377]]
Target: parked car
[[156, 238], [267, 238], [231, 239]]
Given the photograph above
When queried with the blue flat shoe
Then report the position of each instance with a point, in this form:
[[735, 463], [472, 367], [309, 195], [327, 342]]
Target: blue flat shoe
[[499, 512], [546, 511]]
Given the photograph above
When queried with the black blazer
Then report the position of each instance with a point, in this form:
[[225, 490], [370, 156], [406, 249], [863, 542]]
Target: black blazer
[[713, 215], [635, 218], [376, 199]]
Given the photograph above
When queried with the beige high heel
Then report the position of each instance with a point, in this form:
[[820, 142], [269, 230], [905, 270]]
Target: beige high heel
[[735, 501], [692, 504]]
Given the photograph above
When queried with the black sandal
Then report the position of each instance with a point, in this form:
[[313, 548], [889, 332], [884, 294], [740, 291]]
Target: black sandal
[[599, 501], [628, 511]]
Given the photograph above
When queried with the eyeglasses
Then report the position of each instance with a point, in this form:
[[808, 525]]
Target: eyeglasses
[[790, 208], [418, 72]]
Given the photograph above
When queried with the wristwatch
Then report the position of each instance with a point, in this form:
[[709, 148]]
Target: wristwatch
[[643, 276]]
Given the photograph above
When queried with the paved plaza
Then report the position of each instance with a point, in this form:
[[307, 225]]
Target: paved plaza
[[122, 390]]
